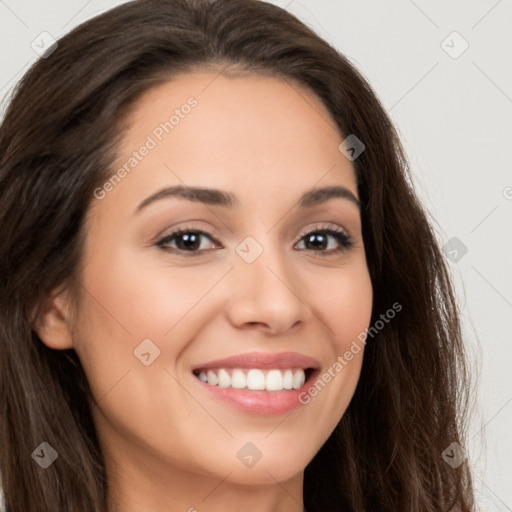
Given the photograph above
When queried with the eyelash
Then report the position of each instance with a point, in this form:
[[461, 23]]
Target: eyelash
[[345, 241]]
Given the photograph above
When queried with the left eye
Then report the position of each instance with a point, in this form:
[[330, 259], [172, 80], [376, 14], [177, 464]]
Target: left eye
[[320, 238]]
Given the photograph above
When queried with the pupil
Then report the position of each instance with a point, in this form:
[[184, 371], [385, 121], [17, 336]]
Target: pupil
[[190, 241], [313, 237]]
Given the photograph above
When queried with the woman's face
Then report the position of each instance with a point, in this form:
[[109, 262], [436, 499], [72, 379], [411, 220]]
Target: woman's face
[[257, 279]]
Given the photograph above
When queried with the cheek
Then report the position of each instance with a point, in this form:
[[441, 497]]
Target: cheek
[[126, 301], [142, 296], [125, 312], [346, 305]]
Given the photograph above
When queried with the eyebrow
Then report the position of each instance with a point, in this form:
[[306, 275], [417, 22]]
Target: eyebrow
[[217, 197]]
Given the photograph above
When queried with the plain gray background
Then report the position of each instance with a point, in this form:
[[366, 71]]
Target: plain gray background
[[452, 106]]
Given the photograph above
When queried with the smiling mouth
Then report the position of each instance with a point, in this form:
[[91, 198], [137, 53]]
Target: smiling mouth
[[255, 379]]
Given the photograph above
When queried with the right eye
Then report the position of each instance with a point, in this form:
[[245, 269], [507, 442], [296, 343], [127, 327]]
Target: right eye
[[186, 240]]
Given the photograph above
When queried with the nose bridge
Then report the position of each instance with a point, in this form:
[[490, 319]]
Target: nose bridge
[[263, 262], [265, 285]]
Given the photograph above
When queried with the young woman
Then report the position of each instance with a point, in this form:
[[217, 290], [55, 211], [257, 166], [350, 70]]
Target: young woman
[[218, 290]]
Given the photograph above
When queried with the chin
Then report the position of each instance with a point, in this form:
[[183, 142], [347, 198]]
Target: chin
[[271, 463]]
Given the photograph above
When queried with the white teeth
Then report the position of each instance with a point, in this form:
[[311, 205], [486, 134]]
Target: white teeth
[[288, 379], [254, 378], [212, 378], [238, 379], [224, 378], [274, 380], [298, 380]]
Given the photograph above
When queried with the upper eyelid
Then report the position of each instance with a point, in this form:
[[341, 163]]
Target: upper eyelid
[[186, 229], [323, 226]]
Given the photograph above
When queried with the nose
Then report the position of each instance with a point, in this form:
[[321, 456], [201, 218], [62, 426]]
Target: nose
[[265, 295]]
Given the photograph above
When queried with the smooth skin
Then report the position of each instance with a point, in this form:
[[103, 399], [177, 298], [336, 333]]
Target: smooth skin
[[169, 445]]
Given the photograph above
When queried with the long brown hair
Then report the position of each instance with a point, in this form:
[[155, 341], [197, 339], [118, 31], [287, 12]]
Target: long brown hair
[[58, 142]]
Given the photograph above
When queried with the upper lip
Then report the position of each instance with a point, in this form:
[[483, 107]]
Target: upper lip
[[262, 360]]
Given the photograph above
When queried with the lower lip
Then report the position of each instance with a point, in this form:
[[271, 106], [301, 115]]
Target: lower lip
[[260, 403]]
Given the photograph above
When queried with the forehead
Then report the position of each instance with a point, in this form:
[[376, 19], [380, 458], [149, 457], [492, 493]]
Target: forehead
[[256, 135]]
